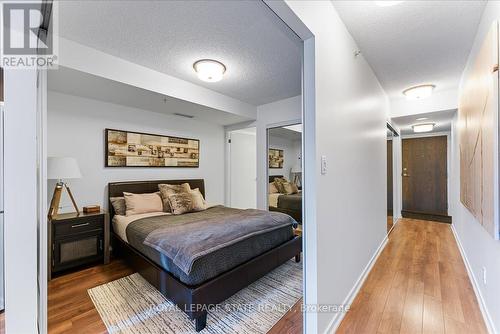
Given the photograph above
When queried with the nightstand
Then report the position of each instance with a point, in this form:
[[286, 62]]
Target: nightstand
[[77, 239]]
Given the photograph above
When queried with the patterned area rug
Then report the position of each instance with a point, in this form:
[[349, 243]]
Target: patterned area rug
[[132, 305]]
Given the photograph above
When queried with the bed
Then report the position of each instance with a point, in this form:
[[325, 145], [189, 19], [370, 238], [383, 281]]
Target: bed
[[288, 204], [210, 278]]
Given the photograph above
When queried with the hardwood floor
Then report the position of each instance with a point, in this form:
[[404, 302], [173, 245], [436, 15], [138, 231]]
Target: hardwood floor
[[418, 285]]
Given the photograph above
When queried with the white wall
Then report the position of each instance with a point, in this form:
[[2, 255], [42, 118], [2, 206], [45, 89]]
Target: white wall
[[76, 128], [480, 249], [291, 151], [351, 109]]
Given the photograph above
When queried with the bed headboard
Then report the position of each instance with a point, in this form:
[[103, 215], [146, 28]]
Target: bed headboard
[[272, 177], [116, 189]]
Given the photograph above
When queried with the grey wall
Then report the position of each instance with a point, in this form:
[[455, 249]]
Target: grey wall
[[481, 250], [76, 129], [351, 109]]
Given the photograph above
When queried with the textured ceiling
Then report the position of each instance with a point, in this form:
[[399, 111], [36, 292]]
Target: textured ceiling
[[413, 42], [441, 119], [262, 55]]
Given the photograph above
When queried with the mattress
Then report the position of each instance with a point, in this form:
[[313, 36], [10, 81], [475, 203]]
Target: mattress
[[213, 263]]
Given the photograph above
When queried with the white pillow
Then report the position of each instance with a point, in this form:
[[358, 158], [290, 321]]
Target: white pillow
[[142, 203]]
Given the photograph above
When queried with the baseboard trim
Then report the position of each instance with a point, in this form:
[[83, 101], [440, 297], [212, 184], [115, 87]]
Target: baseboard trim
[[337, 319], [482, 304]]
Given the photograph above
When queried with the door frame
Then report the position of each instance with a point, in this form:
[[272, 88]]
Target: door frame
[[448, 160], [309, 163], [396, 183]]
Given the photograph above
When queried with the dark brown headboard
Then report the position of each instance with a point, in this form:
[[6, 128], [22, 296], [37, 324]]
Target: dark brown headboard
[[272, 177], [116, 189]]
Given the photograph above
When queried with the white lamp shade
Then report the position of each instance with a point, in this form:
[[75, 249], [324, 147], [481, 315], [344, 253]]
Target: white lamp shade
[[59, 168]]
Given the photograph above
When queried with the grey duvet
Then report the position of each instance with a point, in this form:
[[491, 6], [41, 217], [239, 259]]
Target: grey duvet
[[290, 202], [195, 247]]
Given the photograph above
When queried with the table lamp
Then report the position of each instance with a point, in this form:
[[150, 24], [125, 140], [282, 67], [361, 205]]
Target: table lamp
[[296, 173], [61, 168]]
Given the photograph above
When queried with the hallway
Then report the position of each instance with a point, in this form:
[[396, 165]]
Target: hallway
[[419, 284]]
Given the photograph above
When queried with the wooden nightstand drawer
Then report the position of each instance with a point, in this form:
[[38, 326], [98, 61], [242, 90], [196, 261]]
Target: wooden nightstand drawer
[[78, 225], [77, 239]]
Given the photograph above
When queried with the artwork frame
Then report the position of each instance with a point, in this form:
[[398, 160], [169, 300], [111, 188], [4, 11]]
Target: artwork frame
[[276, 158], [139, 150]]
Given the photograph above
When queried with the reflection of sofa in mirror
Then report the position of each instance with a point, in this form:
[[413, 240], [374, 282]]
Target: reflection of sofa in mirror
[[289, 204]]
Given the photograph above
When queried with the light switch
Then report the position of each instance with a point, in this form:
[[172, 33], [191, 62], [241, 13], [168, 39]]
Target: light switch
[[323, 164]]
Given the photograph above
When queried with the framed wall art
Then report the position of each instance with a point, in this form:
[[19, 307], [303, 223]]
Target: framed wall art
[[276, 158], [135, 149]]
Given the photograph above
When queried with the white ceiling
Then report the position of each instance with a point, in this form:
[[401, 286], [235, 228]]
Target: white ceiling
[[73, 82], [285, 133], [414, 42], [262, 55], [441, 119]]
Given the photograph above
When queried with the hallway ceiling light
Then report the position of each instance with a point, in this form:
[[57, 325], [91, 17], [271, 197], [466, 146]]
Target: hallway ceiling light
[[209, 70], [387, 3], [422, 118], [419, 92], [418, 128]]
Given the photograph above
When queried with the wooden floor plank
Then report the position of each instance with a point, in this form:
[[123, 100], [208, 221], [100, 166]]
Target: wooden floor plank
[[429, 290]]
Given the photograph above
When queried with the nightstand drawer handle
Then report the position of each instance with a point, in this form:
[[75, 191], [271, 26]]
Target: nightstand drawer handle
[[79, 225]]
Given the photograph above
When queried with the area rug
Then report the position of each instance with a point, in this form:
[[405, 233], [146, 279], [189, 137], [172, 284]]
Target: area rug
[[132, 305]]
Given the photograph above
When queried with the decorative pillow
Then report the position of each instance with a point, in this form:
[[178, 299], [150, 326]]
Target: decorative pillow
[[289, 188], [272, 188], [119, 205], [199, 203], [169, 189], [142, 203], [181, 202], [278, 182]]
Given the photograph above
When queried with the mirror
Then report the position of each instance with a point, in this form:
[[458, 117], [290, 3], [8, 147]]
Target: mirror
[[285, 170]]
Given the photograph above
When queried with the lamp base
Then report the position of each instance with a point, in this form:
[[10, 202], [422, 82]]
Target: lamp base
[[56, 199]]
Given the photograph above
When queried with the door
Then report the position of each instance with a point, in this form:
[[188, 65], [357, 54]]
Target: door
[[243, 169], [425, 190]]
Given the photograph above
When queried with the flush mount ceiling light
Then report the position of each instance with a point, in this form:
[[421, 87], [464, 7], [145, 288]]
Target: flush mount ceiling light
[[419, 92], [422, 118], [209, 70], [387, 3], [418, 128]]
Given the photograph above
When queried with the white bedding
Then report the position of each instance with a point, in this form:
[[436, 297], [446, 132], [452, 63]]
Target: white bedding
[[120, 223], [273, 199]]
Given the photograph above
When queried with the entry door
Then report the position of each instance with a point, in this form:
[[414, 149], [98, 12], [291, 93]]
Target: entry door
[[425, 176]]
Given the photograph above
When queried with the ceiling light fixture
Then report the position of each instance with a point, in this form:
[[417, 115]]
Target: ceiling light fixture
[[419, 92], [422, 118], [418, 128], [387, 3], [209, 70]]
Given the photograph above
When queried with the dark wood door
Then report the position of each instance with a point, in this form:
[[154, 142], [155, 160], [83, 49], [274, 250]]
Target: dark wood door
[[425, 176]]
